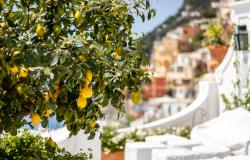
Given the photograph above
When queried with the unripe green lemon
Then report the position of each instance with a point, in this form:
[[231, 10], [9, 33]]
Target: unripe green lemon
[[92, 124], [78, 16], [60, 11], [57, 29], [19, 89]]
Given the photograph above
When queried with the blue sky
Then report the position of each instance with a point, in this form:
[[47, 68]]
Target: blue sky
[[164, 9]]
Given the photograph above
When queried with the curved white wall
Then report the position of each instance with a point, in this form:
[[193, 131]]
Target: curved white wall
[[204, 108], [225, 74]]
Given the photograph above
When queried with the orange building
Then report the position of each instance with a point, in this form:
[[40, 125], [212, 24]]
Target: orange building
[[164, 53], [156, 88]]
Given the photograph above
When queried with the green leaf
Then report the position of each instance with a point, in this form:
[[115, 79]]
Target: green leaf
[[147, 4], [142, 17], [149, 15], [55, 60]]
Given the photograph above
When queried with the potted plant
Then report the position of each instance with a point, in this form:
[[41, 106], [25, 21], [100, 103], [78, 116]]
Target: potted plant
[[112, 144], [117, 155], [216, 44]]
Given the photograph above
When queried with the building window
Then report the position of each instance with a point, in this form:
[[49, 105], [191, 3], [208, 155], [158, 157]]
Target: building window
[[180, 69]]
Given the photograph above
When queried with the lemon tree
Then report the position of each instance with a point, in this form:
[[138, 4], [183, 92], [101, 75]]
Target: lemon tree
[[68, 59]]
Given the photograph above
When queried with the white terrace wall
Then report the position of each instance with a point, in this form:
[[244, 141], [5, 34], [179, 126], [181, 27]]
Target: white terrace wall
[[204, 108], [226, 73]]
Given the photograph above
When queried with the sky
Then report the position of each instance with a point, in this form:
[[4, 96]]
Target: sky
[[164, 9]]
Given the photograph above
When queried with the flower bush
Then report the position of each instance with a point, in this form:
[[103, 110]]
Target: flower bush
[[237, 99], [34, 147], [113, 141], [68, 59]]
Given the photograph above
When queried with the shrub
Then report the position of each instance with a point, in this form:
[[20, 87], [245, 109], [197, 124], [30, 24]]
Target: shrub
[[26, 146]]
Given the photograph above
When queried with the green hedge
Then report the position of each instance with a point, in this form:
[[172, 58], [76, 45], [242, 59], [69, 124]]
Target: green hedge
[[26, 146]]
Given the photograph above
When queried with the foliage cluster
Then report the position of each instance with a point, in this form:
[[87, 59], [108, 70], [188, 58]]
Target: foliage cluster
[[213, 34], [237, 98], [68, 59], [26, 146]]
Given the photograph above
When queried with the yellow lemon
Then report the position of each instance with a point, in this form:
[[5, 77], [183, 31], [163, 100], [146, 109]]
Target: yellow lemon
[[40, 30], [14, 70], [89, 75], [78, 16], [117, 55], [136, 97], [46, 96], [81, 102], [92, 124], [50, 142], [81, 58], [4, 24], [57, 29], [35, 119], [48, 112], [86, 92], [23, 72]]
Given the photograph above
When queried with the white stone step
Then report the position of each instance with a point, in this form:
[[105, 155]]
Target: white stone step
[[141, 150], [197, 153], [238, 158], [173, 141], [165, 138], [209, 151]]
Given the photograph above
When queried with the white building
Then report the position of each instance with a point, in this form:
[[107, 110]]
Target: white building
[[184, 72]]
